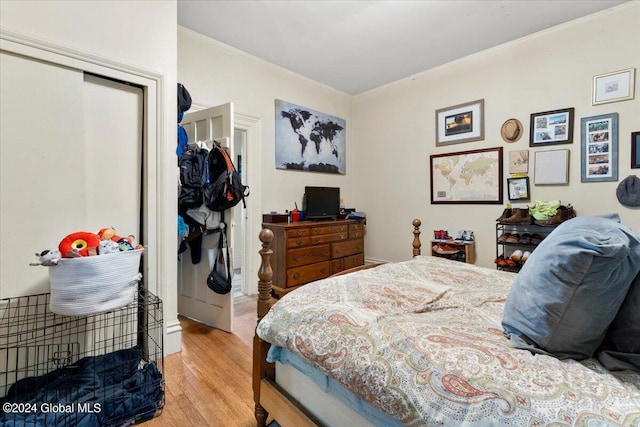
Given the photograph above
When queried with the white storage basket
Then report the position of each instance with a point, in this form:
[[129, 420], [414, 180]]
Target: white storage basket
[[94, 284]]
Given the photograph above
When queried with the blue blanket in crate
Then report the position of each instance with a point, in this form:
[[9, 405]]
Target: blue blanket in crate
[[114, 389]]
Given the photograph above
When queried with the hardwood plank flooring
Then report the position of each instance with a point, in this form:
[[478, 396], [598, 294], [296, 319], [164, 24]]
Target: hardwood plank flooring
[[209, 382]]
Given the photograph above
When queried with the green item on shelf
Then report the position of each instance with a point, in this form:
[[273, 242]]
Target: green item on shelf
[[544, 210]]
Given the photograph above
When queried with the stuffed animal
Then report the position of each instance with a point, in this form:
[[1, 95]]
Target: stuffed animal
[[108, 233], [81, 243], [124, 243], [47, 258], [108, 247]]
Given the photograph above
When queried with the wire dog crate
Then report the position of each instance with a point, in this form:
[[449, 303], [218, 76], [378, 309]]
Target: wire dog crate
[[105, 369]]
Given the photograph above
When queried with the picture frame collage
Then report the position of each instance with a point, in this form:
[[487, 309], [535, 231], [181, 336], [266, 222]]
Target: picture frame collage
[[464, 123]]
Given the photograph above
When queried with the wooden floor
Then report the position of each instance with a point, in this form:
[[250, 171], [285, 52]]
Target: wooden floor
[[209, 382]]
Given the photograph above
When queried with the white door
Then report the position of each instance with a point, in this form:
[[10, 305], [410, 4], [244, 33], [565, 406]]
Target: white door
[[70, 157], [195, 299]]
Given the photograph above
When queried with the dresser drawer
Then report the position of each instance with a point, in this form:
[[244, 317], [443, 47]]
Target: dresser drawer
[[298, 232], [350, 247], [326, 238], [356, 231], [308, 273], [340, 264], [353, 261], [308, 255], [355, 234], [298, 242], [356, 227], [330, 229]]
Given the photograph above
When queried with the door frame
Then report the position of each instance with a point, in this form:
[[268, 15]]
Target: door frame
[[159, 193], [251, 127]]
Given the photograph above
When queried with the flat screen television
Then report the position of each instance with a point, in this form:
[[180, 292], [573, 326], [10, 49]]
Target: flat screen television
[[321, 203]]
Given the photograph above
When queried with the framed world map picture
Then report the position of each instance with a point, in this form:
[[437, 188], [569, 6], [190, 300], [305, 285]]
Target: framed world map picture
[[467, 177], [309, 140]]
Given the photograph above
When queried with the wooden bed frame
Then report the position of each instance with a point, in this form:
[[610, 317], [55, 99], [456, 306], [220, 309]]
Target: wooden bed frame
[[269, 397]]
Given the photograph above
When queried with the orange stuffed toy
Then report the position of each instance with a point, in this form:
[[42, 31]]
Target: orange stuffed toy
[[81, 243]]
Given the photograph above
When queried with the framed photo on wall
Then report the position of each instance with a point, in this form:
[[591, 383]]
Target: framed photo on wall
[[599, 148], [551, 127], [635, 150], [460, 123], [518, 188], [613, 87], [469, 177], [519, 161]]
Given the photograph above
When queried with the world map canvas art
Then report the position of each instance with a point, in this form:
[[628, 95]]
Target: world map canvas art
[[309, 140], [467, 177]]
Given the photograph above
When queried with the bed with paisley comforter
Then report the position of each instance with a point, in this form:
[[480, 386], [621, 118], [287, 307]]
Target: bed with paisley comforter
[[426, 342]]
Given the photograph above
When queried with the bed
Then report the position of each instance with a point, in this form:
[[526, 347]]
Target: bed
[[430, 341]]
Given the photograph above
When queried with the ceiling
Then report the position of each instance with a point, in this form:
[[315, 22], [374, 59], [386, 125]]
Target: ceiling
[[354, 46]]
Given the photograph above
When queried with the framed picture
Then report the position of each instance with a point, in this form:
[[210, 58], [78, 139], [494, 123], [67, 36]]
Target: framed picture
[[551, 167], [599, 148], [470, 177], [613, 87], [519, 161], [309, 140], [460, 123], [551, 127], [518, 188], [635, 150]]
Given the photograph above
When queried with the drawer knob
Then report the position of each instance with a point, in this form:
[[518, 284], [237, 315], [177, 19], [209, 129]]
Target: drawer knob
[[296, 258], [296, 276], [299, 242]]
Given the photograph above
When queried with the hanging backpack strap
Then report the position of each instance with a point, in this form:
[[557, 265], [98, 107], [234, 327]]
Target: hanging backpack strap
[[230, 169], [220, 277]]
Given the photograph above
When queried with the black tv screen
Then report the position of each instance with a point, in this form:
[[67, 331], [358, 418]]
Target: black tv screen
[[321, 202]]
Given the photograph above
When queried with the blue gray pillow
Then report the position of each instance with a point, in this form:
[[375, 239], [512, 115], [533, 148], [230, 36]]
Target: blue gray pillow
[[572, 287], [621, 348]]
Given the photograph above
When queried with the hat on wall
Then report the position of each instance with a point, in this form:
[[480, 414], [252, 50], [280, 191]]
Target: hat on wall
[[628, 191], [511, 130]]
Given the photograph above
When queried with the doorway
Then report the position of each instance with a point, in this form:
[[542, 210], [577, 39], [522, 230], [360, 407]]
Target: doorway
[[239, 215]]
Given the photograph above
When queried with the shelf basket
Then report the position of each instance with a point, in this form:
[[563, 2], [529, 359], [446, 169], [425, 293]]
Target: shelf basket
[[94, 284]]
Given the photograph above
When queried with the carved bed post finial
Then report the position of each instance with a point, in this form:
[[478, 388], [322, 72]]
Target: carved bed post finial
[[261, 368], [265, 274], [416, 237]]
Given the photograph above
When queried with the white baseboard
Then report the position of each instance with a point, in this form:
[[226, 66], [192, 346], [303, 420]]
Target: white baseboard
[[173, 338]]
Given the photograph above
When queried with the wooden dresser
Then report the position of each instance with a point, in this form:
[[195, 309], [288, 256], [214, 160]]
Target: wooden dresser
[[306, 251]]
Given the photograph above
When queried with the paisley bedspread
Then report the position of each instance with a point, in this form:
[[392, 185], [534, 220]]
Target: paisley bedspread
[[421, 340]]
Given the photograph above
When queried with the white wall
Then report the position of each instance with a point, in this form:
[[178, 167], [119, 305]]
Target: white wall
[[142, 35], [215, 73], [394, 128]]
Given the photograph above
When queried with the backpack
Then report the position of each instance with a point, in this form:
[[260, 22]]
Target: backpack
[[193, 168], [194, 174], [225, 189]]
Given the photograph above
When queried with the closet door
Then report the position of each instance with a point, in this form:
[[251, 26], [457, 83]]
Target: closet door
[[70, 161]]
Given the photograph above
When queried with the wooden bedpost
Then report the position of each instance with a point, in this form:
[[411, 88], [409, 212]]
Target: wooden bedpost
[[416, 237], [261, 368], [265, 274]]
